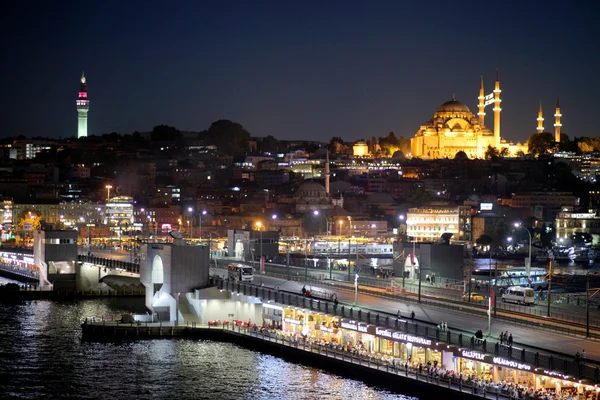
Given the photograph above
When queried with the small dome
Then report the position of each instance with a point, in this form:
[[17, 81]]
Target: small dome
[[461, 155], [398, 156], [453, 106], [311, 189]]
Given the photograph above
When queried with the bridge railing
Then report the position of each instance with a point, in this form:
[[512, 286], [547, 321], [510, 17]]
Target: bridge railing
[[111, 263], [17, 249], [547, 362]]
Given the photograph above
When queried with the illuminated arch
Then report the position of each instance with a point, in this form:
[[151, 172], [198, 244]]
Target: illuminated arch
[[158, 273]]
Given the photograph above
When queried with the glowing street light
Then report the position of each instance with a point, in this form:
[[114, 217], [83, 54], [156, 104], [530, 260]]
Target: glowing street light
[[259, 225], [108, 187], [518, 225], [274, 216], [341, 222]]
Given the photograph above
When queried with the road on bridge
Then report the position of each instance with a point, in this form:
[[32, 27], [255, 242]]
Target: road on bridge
[[526, 336]]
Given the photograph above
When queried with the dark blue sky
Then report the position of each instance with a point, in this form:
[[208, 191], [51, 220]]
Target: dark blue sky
[[310, 69]]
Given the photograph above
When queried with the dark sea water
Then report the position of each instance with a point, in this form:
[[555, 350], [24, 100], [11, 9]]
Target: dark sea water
[[42, 356]]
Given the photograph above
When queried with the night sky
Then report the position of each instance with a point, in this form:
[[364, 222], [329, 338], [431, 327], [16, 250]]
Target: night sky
[[295, 70]]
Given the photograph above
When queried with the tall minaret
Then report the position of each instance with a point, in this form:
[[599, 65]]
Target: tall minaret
[[540, 120], [481, 98], [327, 173], [83, 105], [557, 123], [497, 110]]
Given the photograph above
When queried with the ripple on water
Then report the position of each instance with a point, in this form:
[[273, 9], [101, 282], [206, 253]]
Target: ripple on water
[[42, 356]]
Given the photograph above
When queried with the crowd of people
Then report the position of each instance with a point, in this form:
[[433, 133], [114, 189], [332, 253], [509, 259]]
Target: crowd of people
[[434, 370]]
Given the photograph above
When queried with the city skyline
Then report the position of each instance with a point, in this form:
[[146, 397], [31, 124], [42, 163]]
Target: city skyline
[[291, 71]]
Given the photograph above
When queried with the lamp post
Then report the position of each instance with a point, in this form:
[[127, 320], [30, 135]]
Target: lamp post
[[355, 289], [108, 187], [204, 212], [518, 225], [402, 219], [317, 213], [259, 225], [341, 223]]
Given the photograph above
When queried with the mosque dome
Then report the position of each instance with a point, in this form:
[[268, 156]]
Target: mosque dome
[[311, 190], [453, 106]]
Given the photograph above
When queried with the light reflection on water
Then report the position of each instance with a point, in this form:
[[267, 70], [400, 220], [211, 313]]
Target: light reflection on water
[[42, 356]]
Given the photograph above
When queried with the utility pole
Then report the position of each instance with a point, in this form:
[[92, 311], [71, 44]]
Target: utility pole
[[306, 260], [420, 269], [587, 305], [287, 260], [549, 287], [349, 257]]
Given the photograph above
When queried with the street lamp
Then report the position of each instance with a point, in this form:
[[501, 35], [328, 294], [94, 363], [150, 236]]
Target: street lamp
[[204, 212], [355, 288], [259, 225], [108, 187], [341, 223], [518, 225]]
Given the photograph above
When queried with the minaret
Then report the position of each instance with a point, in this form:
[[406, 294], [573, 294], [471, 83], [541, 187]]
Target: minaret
[[557, 123], [83, 105], [327, 173], [481, 98], [540, 120], [497, 110]]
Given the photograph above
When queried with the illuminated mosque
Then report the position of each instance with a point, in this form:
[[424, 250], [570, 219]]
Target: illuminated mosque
[[455, 128]]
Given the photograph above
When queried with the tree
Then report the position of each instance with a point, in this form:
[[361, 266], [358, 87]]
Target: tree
[[541, 143], [491, 153], [404, 144], [336, 145], [505, 152], [484, 240], [418, 197], [229, 137], [565, 144], [585, 147]]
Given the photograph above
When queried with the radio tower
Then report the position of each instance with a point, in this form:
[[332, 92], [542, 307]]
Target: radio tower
[[83, 106]]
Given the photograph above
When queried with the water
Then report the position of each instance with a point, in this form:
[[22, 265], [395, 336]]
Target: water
[[42, 356]]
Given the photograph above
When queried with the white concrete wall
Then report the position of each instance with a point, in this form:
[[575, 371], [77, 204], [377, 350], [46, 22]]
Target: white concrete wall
[[88, 277], [226, 310]]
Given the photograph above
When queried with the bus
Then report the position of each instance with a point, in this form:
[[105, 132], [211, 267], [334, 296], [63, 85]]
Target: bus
[[519, 295], [240, 272]]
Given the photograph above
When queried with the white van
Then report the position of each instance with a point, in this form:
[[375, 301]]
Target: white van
[[519, 295]]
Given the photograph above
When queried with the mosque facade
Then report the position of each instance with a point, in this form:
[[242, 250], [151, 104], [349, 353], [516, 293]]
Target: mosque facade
[[455, 128]]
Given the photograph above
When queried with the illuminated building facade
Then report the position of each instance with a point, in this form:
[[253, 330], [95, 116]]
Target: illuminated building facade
[[428, 224], [455, 128], [119, 213], [360, 149], [83, 106], [569, 223]]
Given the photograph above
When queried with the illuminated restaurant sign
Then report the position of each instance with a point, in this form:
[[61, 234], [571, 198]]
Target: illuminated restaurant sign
[[402, 336], [293, 321], [354, 326], [383, 332], [412, 339], [511, 364], [473, 354]]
